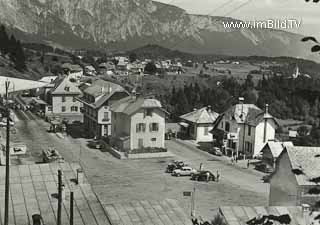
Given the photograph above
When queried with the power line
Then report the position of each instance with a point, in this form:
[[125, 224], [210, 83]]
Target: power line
[[235, 9]]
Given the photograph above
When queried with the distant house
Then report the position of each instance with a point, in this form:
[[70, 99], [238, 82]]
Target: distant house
[[138, 123], [271, 151], [198, 123], [97, 98], [107, 66], [296, 177], [90, 71], [247, 128], [72, 70], [62, 100]]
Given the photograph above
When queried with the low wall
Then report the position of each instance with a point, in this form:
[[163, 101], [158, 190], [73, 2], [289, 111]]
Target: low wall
[[150, 155], [117, 154]]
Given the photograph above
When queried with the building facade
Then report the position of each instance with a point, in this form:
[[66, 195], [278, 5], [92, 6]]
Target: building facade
[[294, 181], [246, 129], [62, 100], [96, 100], [138, 123]]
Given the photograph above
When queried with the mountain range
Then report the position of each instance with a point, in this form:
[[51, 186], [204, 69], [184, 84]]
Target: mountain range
[[128, 24]]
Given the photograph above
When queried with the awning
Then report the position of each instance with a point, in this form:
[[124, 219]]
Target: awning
[[183, 124]]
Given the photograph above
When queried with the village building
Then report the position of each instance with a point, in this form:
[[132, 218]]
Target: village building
[[97, 98], [197, 124], [246, 129], [138, 123], [90, 71], [72, 70], [296, 177], [271, 151], [62, 101]]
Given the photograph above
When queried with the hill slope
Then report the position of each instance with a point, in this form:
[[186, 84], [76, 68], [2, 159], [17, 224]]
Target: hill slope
[[127, 24]]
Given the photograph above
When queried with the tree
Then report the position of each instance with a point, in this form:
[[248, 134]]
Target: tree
[[303, 131], [4, 40], [150, 68], [132, 57]]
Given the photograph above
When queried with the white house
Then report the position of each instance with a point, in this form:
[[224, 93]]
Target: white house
[[62, 100], [198, 123], [138, 123], [96, 100], [247, 128]]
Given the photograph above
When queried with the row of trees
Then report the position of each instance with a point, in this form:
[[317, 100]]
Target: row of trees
[[12, 47]]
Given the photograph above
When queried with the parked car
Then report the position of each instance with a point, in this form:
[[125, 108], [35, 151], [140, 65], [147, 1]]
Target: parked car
[[97, 144], [264, 168], [202, 176], [216, 151], [184, 171], [175, 165]]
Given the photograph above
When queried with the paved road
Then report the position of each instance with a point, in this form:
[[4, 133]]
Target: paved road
[[120, 181]]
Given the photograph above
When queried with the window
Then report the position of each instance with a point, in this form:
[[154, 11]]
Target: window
[[222, 125], [249, 130], [74, 109], [140, 143], [227, 128], [148, 112], [49, 108], [67, 88], [154, 127], [74, 99], [106, 116], [63, 98], [206, 131], [63, 109], [140, 127], [153, 139]]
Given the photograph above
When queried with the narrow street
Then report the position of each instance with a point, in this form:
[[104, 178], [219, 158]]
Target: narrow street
[[124, 180]]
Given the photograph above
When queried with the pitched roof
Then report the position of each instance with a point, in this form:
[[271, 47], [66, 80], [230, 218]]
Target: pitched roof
[[307, 160], [71, 67], [102, 89], [130, 105], [247, 113], [240, 215], [200, 116], [276, 147], [65, 86]]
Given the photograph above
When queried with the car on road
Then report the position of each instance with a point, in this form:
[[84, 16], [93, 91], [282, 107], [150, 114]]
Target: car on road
[[263, 167], [216, 151], [184, 171], [175, 165], [202, 176]]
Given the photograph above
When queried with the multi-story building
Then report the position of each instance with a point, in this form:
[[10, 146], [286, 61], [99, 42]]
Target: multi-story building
[[138, 123], [247, 128], [96, 100], [296, 177], [62, 100]]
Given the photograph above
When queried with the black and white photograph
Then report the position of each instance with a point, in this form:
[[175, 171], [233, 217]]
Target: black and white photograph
[[159, 112]]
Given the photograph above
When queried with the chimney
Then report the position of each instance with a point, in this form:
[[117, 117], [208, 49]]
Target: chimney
[[102, 89], [134, 94], [241, 100], [109, 88], [267, 109], [306, 213], [194, 109], [209, 108]]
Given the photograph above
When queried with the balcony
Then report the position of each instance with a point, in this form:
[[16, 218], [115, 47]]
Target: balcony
[[105, 119]]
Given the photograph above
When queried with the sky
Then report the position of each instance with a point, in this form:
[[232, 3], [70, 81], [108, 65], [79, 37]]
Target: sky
[[306, 12]]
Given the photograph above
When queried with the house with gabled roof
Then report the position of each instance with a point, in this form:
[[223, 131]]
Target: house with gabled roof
[[296, 179], [62, 100], [97, 98], [271, 151], [246, 129], [138, 123], [198, 123]]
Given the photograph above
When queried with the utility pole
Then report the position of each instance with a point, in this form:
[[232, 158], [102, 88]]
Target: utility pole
[[71, 208], [193, 207], [7, 183], [59, 197]]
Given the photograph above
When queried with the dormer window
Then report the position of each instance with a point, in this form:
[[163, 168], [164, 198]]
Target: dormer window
[[67, 88]]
